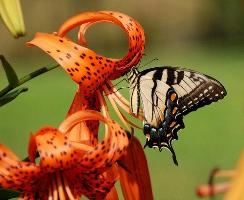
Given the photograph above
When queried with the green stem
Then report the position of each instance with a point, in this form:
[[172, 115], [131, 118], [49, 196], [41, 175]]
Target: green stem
[[6, 90], [28, 77]]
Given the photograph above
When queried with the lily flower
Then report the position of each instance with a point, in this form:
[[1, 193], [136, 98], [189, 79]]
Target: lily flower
[[233, 188], [11, 13], [67, 169], [93, 74], [85, 67]]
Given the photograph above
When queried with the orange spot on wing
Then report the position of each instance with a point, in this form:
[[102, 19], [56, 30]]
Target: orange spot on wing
[[174, 110], [172, 124], [173, 96]]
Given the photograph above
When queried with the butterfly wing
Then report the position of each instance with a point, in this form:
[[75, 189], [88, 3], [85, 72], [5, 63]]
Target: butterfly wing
[[168, 93], [162, 118], [153, 96], [134, 95], [194, 89]]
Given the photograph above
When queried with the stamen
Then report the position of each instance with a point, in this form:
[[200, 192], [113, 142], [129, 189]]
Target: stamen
[[60, 186], [50, 193], [130, 122], [104, 107], [118, 111], [121, 101], [112, 91], [113, 100], [79, 116], [67, 189], [80, 132], [54, 189], [123, 105]]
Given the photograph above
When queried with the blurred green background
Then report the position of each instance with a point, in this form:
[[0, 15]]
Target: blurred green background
[[204, 35]]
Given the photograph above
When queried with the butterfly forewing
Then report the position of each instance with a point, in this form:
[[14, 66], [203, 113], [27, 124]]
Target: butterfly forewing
[[153, 96], [195, 90]]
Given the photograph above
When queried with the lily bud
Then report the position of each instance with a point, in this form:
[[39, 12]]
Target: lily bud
[[11, 13]]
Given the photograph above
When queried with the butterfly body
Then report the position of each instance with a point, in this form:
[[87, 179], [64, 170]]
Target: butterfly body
[[167, 94]]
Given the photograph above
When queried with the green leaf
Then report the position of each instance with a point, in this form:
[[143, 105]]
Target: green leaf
[[11, 96], [8, 194], [11, 74]]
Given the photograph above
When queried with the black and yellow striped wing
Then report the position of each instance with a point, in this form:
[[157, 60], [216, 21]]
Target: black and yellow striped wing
[[166, 94], [194, 89]]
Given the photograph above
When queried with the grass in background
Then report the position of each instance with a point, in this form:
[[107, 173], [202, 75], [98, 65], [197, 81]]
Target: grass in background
[[213, 135]]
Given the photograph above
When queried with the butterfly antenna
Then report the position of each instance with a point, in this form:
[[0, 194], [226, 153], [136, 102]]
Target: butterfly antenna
[[123, 79], [138, 65], [151, 61], [117, 90]]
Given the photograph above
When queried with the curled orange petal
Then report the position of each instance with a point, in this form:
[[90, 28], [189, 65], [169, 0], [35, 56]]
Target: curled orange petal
[[78, 132], [85, 67], [129, 25], [79, 62], [55, 151], [15, 174], [112, 147]]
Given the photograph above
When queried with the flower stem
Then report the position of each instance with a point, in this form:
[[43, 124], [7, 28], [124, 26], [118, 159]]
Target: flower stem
[[28, 77]]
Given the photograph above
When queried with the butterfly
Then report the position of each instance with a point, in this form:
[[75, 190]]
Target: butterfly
[[168, 94]]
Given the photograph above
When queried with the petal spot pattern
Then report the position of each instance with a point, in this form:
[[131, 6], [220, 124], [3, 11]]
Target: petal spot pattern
[[79, 61]]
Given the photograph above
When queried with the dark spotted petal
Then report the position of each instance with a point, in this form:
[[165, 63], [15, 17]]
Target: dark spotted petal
[[15, 174]]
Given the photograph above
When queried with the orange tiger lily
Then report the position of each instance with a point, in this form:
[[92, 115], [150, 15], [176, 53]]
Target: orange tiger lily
[[67, 169], [93, 74], [85, 67]]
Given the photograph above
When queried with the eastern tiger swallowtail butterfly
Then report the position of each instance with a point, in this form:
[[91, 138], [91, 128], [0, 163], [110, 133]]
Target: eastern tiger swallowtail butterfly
[[167, 94]]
